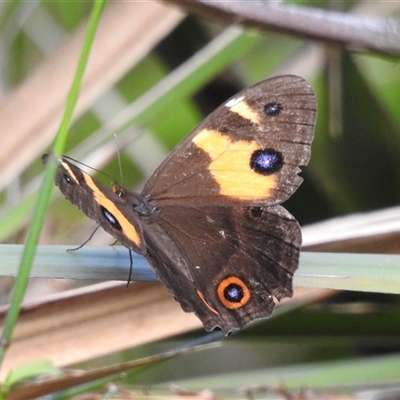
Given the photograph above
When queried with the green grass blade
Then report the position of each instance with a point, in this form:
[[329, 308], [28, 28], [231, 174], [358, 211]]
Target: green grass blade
[[46, 187], [375, 273], [363, 372]]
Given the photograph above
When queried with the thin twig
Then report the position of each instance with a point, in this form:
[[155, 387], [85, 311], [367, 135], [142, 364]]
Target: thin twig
[[379, 35]]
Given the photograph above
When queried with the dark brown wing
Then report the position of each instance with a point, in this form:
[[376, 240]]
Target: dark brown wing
[[218, 240], [226, 265], [248, 150], [114, 213]]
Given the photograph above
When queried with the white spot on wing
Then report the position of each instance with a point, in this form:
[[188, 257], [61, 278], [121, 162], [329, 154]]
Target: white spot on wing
[[232, 102]]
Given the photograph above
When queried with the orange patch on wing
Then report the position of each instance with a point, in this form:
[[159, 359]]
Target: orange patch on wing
[[230, 166], [128, 228], [201, 296]]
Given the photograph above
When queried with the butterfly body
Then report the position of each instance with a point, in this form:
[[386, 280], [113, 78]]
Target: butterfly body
[[209, 221]]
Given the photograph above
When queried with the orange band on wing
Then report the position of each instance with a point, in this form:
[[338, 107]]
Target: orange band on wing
[[128, 228], [69, 170], [213, 310], [230, 166]]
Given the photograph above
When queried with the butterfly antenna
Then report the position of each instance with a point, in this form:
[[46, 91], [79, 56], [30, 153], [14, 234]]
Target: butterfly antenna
[[87, 166], [119, 159]]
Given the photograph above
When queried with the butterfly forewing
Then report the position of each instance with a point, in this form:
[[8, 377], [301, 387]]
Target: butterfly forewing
[[213, 164], [101, 204]]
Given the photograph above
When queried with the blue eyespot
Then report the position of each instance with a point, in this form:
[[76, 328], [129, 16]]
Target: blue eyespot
[[266, 161], [233, 293], [110, 218], [67, 179], [273, 109]]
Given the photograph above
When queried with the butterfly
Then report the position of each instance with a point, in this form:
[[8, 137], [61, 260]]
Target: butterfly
[[209, 220]]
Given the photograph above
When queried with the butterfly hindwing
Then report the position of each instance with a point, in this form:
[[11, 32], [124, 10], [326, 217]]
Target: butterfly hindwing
[[247, 252]]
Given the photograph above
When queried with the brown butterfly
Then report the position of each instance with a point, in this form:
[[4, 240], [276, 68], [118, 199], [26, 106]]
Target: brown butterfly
[[209, 220]]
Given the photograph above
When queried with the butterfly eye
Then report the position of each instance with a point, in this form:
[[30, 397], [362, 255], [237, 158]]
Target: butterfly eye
[[110, 218], [266, 161], [273, 109], [118, 190]]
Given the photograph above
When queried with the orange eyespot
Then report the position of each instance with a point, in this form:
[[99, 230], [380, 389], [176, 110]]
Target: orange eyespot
[[233, 292]]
